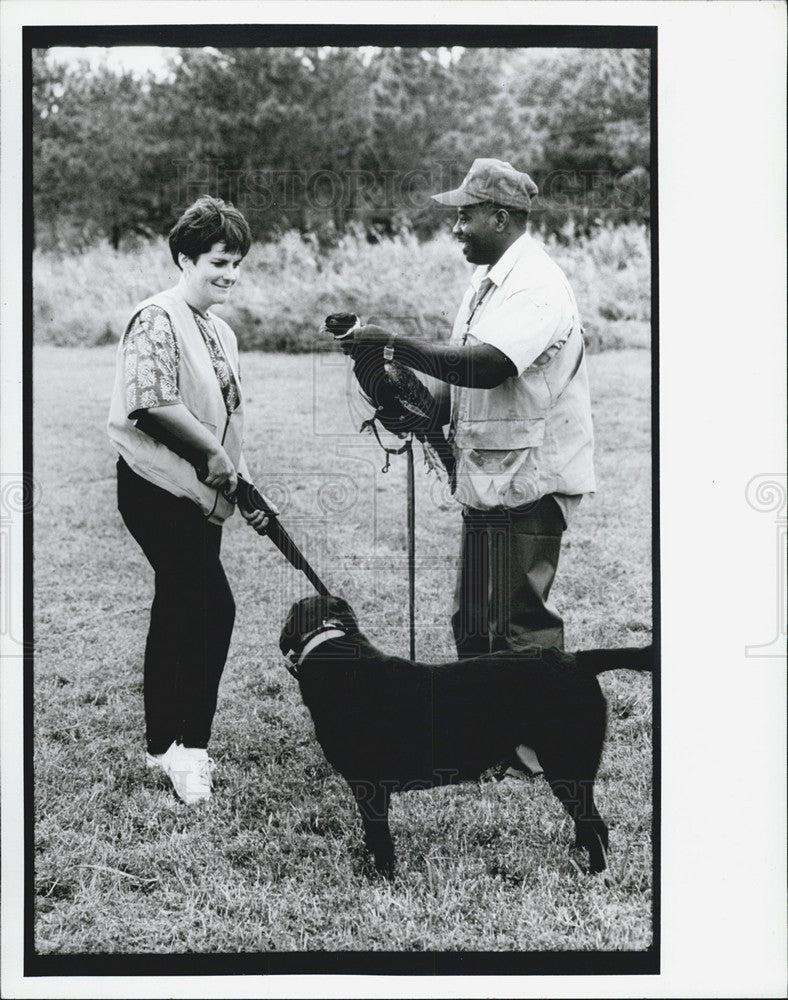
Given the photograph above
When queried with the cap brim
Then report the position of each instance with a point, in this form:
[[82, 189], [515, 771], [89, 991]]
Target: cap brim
[[457, 198]]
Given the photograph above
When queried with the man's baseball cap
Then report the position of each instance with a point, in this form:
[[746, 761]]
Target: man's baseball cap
[[492, 180]]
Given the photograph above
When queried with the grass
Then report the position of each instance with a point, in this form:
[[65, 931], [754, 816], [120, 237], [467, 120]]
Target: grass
[[273, 862], [288, 286]]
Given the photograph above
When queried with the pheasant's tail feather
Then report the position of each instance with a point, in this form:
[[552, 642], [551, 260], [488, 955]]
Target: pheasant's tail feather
[[431, 459], [416, 410], [440, 453]]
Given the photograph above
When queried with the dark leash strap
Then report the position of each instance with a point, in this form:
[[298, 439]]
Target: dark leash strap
[[246, 496], [249, 499]]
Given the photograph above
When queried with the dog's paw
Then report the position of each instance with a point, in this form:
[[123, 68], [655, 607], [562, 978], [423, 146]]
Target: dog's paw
[[367, 865], [373, 872], [587, 862], [385, 867]]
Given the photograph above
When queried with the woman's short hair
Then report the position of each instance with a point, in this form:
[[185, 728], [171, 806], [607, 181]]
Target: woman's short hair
[[208, 221]]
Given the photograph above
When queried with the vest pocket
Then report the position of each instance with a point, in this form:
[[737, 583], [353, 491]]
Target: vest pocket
[[209, 424], [510, 434]]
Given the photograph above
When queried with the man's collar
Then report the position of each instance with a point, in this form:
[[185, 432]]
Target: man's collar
[[501, 268]]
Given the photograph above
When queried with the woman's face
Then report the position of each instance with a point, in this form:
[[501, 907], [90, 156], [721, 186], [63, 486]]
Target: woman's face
[[208, 279]]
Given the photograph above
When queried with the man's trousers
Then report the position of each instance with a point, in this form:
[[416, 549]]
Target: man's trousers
[[508, 560]]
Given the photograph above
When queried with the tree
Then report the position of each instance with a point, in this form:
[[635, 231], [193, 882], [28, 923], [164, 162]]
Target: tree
[[316, 137], [585, 114], [91, 144]]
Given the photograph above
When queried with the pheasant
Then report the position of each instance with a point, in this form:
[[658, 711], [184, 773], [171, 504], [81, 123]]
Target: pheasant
[[402, 403]]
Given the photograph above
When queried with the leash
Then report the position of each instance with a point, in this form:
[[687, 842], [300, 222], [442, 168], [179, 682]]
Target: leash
[[249, 498], [246, 496], [372, 425]]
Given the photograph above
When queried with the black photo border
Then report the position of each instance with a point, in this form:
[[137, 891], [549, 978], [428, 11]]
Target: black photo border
[[332, 963]]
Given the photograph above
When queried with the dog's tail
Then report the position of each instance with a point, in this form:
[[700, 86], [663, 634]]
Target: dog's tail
[[596, 661]]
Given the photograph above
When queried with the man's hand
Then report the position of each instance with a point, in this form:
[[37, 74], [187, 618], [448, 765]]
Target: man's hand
[[371, 336], [478, 365], [339, 327], [346, 330], [362, 338]]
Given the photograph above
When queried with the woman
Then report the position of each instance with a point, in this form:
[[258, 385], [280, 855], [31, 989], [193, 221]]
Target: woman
[[177, 372]]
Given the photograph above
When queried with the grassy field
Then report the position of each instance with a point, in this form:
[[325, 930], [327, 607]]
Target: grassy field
[[85, 298], [273, 862]]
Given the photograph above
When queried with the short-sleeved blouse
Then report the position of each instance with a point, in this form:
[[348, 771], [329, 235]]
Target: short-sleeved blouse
[[152, 358]]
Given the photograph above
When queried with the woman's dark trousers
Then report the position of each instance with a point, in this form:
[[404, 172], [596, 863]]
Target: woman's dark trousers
[[192, 615]]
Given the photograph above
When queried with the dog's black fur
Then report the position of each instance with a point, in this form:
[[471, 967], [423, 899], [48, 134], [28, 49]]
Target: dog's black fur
[[391, 725]]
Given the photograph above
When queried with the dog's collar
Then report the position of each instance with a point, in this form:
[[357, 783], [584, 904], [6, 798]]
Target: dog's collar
[[330, 628], [322, 636]]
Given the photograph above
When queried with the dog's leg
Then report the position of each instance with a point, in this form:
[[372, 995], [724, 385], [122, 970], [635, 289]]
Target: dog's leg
[[577, 797], [373, 799]]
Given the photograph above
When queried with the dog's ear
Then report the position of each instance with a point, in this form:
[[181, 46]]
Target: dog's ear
[[339, 608], [336, 605], [304, 617], [289, 629], [310, 614]]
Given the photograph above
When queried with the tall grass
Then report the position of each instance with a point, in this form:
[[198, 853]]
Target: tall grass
[[288, 286]]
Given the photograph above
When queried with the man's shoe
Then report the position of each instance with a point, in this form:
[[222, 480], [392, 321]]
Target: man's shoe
[[523, 764], [189, 769]]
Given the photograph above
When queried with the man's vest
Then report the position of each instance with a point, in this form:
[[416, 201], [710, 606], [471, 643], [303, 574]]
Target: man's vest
[[532, 434], [201, 394]]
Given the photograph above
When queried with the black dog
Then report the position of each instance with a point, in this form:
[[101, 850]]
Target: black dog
[[390, 725]]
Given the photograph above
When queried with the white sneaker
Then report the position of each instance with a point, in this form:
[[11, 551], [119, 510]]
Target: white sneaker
[[189, 769], [157, 759]]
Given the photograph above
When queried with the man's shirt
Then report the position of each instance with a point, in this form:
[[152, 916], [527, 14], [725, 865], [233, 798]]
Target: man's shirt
[[528, 308], [532, 434]]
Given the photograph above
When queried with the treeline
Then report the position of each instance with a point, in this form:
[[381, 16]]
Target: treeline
[[314, 139]]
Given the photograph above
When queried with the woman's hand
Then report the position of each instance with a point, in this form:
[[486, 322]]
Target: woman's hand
[[221, 472], [181, 423], [258, 519]]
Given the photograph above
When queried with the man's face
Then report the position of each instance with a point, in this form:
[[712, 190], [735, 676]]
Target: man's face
[[475, 229]]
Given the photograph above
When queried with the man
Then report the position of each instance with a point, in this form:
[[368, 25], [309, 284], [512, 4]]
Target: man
[[520, 421]]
